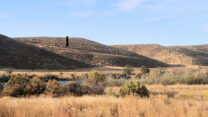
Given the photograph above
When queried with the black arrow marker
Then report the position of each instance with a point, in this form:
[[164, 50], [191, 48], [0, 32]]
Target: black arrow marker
[[67, 41]]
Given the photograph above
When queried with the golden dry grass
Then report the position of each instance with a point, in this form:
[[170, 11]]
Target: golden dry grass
[[102, 106], [107, 106]]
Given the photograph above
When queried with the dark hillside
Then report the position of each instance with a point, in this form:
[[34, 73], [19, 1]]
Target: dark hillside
[[22, 56]]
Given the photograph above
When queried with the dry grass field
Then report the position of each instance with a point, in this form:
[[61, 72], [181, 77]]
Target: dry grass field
[[106, 106]]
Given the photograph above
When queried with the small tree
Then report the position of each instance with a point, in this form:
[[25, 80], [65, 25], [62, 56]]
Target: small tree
[[128, 70], [134, 88], [144, 69]]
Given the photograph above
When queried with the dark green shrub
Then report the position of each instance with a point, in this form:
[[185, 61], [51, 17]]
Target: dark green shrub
[[48, 77], [17, 86], [54, 88], [134, 88], [4, 78], [144, 69], [128, 70]]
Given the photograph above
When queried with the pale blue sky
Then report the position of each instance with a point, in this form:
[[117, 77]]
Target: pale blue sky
[[165, 22]]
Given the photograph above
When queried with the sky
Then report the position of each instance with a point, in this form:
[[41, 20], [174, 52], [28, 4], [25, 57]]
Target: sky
[[111, 22]]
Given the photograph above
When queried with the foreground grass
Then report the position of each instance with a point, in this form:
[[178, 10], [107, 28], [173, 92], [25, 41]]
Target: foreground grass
[[102, 106]]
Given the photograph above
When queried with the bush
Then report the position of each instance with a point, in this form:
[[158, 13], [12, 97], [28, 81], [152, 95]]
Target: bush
[[4, 78], [38, 86], [96, 82], [144, 69], [54, 88], [17, 86], [48, 77], [21, 85], [73, 88], [134, 88], [78, 89], [128, 70]]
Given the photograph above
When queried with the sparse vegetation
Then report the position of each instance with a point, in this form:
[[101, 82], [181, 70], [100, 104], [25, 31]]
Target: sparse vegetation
[[173, 77], [128, 70], [144, 69], [90, 52]]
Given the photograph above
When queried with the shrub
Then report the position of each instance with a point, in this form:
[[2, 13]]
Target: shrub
[[54, 88], [134, 88], [144, 69], [38, 86], [128, 70], [73, 88], [96, 82], [4, 78], [17, 86], [48, 77]]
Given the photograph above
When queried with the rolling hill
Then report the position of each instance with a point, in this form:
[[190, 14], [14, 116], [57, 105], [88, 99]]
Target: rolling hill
[[22, 56], [180, 55], [90, 52]]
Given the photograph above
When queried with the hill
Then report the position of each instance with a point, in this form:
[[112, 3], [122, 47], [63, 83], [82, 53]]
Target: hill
[[183, 55], [90, 52], [22, 56]]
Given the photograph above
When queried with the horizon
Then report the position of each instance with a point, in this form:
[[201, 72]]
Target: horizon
[[119, 22]]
